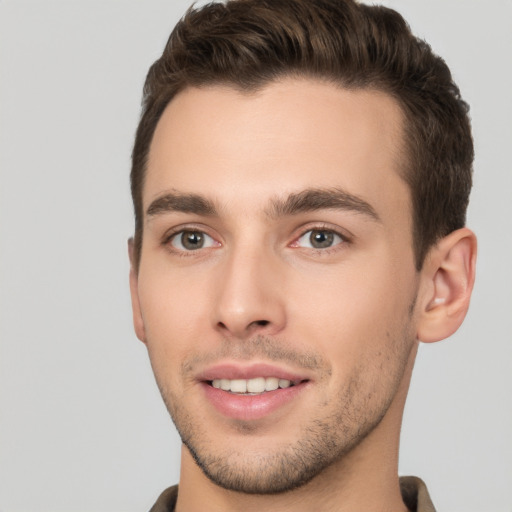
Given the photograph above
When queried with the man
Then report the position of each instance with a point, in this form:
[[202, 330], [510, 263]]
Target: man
[[300, 177]]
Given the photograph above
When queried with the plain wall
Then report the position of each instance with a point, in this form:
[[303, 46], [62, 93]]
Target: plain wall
[[82, 426]]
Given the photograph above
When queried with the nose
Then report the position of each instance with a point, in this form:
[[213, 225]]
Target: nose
[[250, 296]]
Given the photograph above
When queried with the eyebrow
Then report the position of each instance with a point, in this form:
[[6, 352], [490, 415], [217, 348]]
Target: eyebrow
[[301, 202], [321, 199], [179, 202]]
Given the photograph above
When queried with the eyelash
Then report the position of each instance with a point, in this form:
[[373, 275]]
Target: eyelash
[[345, 239], [168, 237]]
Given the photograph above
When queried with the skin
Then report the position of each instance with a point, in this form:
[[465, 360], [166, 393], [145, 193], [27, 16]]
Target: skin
[[346, 317]]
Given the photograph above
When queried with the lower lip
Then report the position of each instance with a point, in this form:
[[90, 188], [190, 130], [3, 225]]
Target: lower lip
[[251, 407]]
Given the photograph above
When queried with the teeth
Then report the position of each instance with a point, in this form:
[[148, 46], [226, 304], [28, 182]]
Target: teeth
[[256, 385], [283, 383], [239, 386], [272, 383]]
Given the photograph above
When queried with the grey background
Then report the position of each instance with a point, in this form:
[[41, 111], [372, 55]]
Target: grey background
[[82, 427]]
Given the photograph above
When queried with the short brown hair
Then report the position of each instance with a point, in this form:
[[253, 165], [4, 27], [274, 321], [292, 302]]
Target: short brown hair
[[248, 43]]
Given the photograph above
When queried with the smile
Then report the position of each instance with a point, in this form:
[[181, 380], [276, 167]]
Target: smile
[[252, 386], [252, 391]]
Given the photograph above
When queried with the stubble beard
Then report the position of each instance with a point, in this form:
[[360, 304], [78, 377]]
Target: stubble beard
[[321, 442]]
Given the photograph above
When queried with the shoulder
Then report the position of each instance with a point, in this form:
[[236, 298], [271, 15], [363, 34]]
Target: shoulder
[[166, 501], [415, 494]]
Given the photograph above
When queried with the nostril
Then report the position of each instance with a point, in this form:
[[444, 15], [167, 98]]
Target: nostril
[[240, 329], [261, 323]]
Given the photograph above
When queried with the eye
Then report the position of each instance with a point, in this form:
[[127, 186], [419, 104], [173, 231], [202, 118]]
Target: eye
[[318, 239], [192, 240]]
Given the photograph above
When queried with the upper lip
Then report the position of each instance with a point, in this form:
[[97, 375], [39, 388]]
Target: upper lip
[[231, 370]]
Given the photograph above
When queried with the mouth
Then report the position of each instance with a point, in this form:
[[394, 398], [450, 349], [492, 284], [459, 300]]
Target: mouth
[[252, 392], [251, 387]]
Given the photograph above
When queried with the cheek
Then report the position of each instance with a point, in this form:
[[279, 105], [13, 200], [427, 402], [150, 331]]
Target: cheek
[[352, 312], [173, 310]]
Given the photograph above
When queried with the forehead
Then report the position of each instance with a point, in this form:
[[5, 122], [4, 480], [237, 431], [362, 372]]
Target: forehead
[[243, 148]]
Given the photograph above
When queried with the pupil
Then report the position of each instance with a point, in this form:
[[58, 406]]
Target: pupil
[[321, 239], [192, 240]]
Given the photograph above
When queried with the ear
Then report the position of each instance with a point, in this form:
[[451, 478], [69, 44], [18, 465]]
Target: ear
[[448, 276], [138, 321]]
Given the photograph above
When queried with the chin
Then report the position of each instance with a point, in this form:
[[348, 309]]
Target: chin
[[269, 469]]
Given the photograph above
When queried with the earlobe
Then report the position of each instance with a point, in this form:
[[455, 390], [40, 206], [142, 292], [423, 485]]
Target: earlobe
[[448, 278], [138, 321]]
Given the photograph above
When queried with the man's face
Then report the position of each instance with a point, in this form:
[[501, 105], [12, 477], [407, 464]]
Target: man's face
[[276, 286]]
